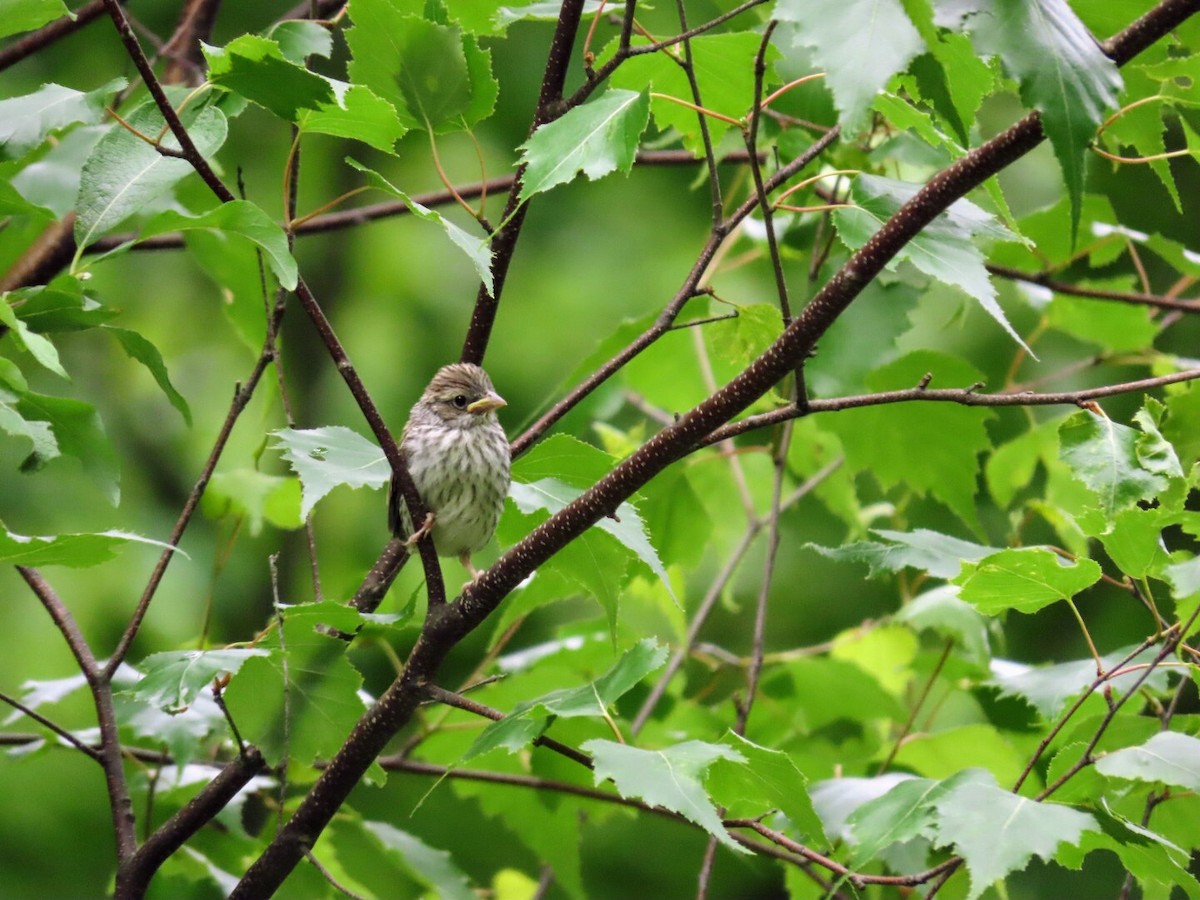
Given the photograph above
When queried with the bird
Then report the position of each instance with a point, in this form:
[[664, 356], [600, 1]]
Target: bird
[[457, 454]]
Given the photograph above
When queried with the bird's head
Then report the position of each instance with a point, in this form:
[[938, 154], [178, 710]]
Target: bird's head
[[462, 395]]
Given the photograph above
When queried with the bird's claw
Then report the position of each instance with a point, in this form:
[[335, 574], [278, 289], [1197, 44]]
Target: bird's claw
[[426, 527]]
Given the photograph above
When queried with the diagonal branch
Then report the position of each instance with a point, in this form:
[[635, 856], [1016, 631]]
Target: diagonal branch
[[447, 624]]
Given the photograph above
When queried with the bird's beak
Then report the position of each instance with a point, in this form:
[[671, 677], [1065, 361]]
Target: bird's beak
[[487, 403]]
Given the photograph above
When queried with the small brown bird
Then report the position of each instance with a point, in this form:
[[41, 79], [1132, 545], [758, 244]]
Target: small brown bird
[[457, 453]]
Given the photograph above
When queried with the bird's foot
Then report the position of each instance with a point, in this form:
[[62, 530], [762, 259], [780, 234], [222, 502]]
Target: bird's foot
[[465, 559], [426, 527]]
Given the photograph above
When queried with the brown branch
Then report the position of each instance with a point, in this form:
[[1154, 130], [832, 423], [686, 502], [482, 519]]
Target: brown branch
[[504, 242], [109, 751], [133, 878], [53, 726], [446, 624], [35, 41], [1046, 280], [188, 148], [458, 701], [963, 396], [670, 313]]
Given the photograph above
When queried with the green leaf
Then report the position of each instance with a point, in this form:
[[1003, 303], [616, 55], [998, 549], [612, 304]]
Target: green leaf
[[325, 458], [938, 554], [78, 432], [1135, 541], [1103, 455], [1116, 327], [946, 469], [298, 39], [626, 526], [723, 66], [256, 68], [945, 249], [433, 868], [597, 138], [40, 348], [942, 610], [1061, 69], [997, 832], [59, 306], [77, 551], [1167, 758], [242, 219], [302, 700], [766, 779], [172, 680], [26, 15], [40, 434], [1024, 579], [1047, 689], [147, 354], [1155, 862], [670, 778], [478, 250], [256, 495], [530, 718], [860, 44], [906, 812], [437, 78], [357, 113], [124, 173], [27, 121]]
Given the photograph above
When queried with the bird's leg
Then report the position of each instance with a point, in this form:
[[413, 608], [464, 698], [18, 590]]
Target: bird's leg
[[426, 527], [465, 559]]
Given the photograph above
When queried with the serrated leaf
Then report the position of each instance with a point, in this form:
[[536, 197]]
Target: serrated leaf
[[941, 555], [997, 832], [433, 868], [860, 44], [946, 469], [907, 811], [325, 458], [73, 550], [78, 432], [596, 138], [1103, 455], [124, 173], [836, 799], [242, 219], [1048, 688], [670, 778], [147, 354], [27, 121], [357, 113], [1167, 758], [1060, 66], [626, 526], [437, 78], [530, 718], [767, 779], [255, 68], [302, 700], [1024, 579], [478, 250], [945, 249], [171, 680]]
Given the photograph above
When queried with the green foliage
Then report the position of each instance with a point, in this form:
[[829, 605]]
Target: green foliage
[[803, 635]]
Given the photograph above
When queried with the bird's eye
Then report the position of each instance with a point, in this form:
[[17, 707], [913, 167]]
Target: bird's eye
[[460, 401]]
